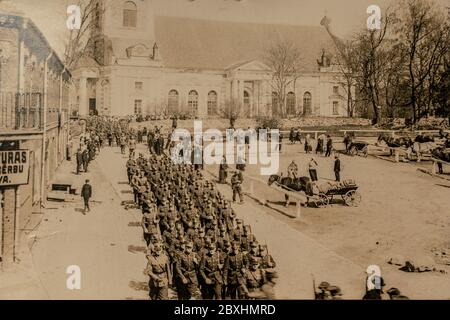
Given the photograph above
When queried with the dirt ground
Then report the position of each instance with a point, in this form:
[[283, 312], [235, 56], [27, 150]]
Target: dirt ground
[[404, 213]]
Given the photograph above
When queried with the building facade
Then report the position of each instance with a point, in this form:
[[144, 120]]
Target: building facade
[[34, 91], [146, 64]]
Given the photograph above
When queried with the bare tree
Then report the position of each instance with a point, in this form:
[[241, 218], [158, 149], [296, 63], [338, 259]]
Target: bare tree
[[284, 60], [373, 46], [423, 33], [79, 40]]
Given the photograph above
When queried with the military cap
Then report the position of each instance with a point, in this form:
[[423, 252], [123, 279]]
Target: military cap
[[335, 290], [239, 221], [271, 274], [254, 244], [254, 260], [393, 292], [324, 285], [211, 245]]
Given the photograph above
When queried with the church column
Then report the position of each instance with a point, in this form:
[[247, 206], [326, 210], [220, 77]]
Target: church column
[[241, 95], [83, 106], [234, 90]]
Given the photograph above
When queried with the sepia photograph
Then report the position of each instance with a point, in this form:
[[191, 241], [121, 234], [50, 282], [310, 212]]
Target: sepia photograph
[[225, 150]]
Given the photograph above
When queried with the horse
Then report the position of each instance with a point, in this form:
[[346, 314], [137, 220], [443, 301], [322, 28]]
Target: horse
[[422, 144], [441, 153], [287, 183], [395, 142]]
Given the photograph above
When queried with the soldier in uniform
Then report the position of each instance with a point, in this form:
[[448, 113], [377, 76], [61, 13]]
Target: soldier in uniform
[[150, 224], [186, 268], [236, 182], [131, 164], [159, 273], [267, 262], [211, 272], [324, 293], [267, 291], [292, 170], [79, 158], [255, 277], [223, 170], [234, 272]]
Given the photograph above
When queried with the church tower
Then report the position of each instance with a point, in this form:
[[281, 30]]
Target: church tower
[[124, 24]]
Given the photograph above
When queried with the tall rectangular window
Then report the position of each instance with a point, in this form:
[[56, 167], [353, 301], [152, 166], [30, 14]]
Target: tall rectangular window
[[335, 108], [335, 90], [137, 106]]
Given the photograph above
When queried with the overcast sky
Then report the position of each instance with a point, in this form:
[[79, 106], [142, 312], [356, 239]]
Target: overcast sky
[[346, 15]]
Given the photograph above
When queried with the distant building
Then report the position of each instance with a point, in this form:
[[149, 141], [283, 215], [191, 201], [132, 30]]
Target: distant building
[[146, 64], [34, 88]]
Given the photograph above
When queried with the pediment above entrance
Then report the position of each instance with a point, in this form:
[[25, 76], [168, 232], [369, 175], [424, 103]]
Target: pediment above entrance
[[252, 65], [139, 50]]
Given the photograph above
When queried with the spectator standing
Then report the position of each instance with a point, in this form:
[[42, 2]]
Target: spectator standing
[[337, 167], [313, 169], [329, 146], [86, 194]]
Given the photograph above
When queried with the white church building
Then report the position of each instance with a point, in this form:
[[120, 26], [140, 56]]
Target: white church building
[[146, 64]]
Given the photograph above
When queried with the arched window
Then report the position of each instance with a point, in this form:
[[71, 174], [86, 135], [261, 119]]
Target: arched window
[[307, 103], [212, 103], [172, 104], [290, 103], [193, 102], [130, 14], [274, 103]]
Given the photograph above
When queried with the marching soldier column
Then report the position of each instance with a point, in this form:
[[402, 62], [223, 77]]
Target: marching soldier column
[[196, 246]]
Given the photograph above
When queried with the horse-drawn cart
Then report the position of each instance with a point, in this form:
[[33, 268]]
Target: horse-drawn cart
[[358, 148], [346, 189]]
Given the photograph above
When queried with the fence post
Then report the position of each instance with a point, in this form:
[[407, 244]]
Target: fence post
[[433, 168], [397, 157], [298, 209]]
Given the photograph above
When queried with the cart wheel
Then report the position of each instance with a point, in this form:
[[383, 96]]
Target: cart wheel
[[323, 200], [365, 151], [352, 198], [353, 151]]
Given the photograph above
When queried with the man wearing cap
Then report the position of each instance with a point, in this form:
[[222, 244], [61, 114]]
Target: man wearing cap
[[292, 170], [159, 273], [234, 271], [186, 269], [267, 291], [236, 182], [239, 230], [255, 277], [211, 272], [323, 294], [228, 215], [150, 223], [267, 261], [86, 194], [131, 167], [223, 170]]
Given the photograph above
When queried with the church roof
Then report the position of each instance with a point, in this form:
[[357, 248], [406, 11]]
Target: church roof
[[210, 44]]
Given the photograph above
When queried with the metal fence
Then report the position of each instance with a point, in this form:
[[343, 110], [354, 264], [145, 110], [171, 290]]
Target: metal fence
[[25, 111], [21, 111]]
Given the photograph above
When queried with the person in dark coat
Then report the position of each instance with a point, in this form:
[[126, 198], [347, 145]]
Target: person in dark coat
[[79, 160], [85, 159], [337, 168], [86, 194], [223, 170], [329, 146]]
